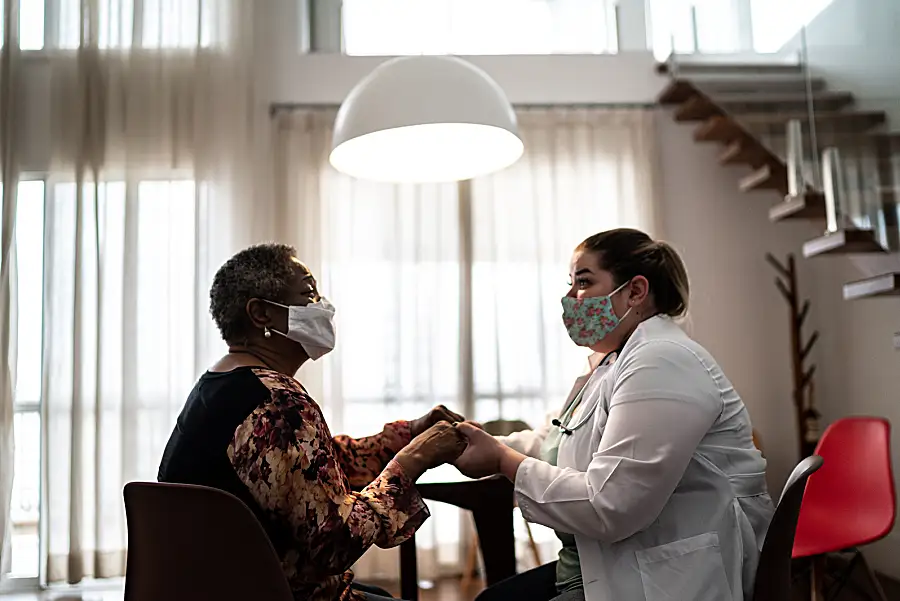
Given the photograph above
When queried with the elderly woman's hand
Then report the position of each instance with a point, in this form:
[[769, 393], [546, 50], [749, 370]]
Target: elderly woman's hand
[[439, 413], [439, 444], [485, 455]]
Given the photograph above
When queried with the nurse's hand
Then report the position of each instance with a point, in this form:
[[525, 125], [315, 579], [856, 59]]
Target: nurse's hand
[[485, 455]]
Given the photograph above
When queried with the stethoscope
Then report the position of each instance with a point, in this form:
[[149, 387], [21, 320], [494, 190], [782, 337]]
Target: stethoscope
[[586, 416]]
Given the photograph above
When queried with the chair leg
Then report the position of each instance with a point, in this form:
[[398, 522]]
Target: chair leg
[[873, 579], [535, 552], [841, 577], [471, 563], [817, 579]]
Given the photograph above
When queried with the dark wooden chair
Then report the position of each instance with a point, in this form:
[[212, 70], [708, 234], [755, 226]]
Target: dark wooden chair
[[189, 543]]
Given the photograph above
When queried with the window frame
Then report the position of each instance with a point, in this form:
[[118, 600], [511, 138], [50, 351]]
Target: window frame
[[23, 584]]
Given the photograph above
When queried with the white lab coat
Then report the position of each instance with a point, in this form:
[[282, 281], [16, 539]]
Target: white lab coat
[[662, 488]]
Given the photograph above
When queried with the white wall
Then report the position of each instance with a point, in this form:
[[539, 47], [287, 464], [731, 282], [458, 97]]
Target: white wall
[[737, 312], [627, 77], [862, 371]]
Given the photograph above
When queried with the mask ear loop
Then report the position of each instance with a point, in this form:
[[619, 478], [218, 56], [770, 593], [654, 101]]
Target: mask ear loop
[[267, 331], [630, 306]]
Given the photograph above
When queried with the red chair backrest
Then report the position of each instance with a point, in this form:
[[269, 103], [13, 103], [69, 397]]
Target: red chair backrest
[[189, 542], [851, 501]]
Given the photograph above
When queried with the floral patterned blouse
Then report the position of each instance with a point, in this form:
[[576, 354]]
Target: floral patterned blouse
[[304, 481]]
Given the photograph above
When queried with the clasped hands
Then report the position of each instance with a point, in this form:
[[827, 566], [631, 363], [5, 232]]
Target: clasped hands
[[442, 436]]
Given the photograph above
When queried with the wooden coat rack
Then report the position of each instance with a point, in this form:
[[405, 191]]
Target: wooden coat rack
[[804, 401]]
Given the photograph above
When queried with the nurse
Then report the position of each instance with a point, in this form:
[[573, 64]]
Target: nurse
[[648, 474]]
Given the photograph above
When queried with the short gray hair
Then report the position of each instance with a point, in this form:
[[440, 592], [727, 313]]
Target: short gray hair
[[263, 271]]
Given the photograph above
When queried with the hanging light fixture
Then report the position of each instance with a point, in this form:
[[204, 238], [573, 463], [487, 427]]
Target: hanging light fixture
[[425, 119]]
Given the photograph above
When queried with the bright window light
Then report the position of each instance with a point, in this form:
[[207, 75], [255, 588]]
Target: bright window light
[[777, 22], [477, 27], [31, 24]]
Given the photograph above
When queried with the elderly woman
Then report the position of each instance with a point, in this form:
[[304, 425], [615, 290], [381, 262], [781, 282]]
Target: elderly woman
[[249, 428]]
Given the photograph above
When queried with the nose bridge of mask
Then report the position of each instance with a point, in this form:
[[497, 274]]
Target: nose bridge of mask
[[312, 313]]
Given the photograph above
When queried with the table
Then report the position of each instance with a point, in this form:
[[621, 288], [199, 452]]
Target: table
[[491, 502]]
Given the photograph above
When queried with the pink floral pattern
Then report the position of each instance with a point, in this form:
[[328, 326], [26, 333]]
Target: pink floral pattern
[[589, 320], [304, 479]]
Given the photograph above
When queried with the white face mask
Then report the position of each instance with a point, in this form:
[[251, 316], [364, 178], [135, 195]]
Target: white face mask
[[312, 326]]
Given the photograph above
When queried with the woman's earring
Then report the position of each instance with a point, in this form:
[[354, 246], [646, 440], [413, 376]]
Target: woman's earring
[[267, 333]]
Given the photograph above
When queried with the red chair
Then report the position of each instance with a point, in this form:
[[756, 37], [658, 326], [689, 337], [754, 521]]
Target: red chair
[[851, 501]]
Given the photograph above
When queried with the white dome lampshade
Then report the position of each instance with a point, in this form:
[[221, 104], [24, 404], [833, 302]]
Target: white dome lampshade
[[425, 119]]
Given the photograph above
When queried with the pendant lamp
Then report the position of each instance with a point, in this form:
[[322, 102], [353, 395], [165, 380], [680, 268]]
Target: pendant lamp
[[425, 119]]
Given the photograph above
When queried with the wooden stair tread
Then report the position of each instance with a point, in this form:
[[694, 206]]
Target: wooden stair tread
[[689, 63], [719, 128], [804, 206], [726, 128], [846, 241], [746, 84], [699, 106], [825, 101], [866, 118], [886, 284], [745, 151], [887, 139], [765, 97], [767, 177], [679, 89]]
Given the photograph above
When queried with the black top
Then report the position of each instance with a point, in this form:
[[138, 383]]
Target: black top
[[197, 449]]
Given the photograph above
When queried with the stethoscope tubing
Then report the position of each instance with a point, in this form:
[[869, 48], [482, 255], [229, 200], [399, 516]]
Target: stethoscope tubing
[[588, 413]]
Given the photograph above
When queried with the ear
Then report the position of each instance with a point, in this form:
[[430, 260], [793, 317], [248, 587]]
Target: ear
[[259, 313], [638, 291]]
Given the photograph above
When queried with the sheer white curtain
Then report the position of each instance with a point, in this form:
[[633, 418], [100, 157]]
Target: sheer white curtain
[[387, 256], [152, 117], [8, 188], [584, 171], [392, 260]]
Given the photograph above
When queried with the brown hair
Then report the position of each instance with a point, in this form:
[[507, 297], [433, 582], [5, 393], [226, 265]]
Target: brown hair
[[627, 253]]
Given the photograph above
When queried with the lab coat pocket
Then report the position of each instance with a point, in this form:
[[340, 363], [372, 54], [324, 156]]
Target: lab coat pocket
[[690, 569]]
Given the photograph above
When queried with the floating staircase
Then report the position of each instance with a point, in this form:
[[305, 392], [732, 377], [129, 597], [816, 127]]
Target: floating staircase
[[746, 109]]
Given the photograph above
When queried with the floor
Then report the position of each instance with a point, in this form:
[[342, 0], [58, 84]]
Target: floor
[[447, 590]]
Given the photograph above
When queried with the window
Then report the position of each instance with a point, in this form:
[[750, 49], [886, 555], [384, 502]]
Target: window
[[25, 507], [777, 22], [473, 27], [695, 26], [31, 24], [161, 24], [728, 26], [160, 238]]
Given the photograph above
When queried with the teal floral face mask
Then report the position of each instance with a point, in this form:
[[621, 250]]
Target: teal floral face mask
[[590, 320]]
